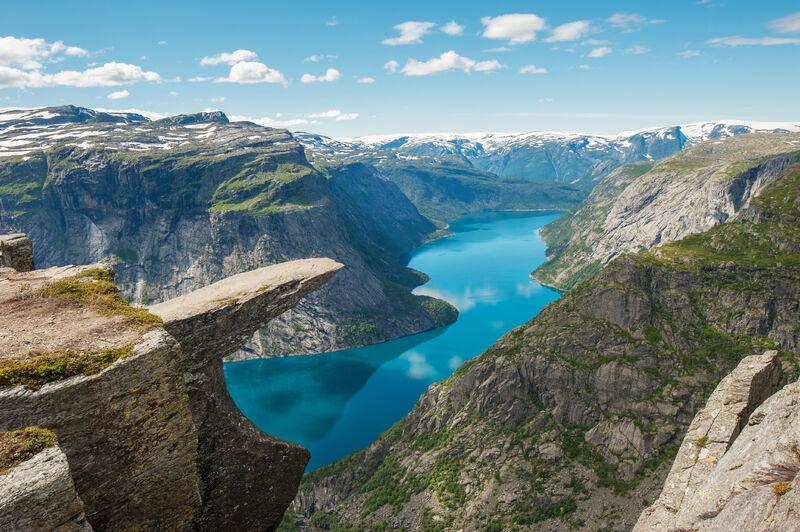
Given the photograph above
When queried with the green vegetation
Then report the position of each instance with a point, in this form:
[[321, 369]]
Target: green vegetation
[[20, 445], [524, 514], [358, 329], [40, 368], [390, 484], [95, 288], [444, 481], [440, 311]]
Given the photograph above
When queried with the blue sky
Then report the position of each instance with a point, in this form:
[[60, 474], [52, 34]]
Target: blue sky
[[505, 66]]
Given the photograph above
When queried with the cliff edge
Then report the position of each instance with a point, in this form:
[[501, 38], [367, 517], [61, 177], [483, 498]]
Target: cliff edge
[[136, 397]]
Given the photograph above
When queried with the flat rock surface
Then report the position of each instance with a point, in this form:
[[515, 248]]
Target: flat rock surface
[[32, 323], [242, 287]]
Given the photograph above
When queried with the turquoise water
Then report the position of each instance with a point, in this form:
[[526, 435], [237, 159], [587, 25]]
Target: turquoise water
[[336, 403]]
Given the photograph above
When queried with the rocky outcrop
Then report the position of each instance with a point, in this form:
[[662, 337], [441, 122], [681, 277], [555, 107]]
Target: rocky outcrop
[[16, 252], [183, 202], [739, 461], [39, 494], [645, 205], [141, 412], [572, 420]]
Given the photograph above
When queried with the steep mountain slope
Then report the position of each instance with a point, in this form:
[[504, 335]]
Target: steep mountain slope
[[641, 205], [571, 420], [188, 200]]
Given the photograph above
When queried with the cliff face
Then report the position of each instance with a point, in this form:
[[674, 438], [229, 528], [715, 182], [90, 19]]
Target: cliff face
[[137, 399], [572, 420], [642, 205], [738, 463], [189, 200]]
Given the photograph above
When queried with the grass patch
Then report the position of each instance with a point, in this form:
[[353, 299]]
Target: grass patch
[[42, 368], [390, 484], [781, 488], [19, 445], [95, 288]]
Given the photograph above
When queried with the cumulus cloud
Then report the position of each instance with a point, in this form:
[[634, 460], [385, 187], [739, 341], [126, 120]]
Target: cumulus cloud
[[532, 69], [270, 122], [229, 58], [411, 32], [391, 65], [28, 54], [335, 114], [366, 81], [330, 75], [448, 61], [453, 28], [787, 24], [252, 72], [637, 50], [629, 22], [571, 31], [516, 28], [330, 113], [108, 75], [346, 116], [753, 41], [118, 95], [600, 51], [316, 58]]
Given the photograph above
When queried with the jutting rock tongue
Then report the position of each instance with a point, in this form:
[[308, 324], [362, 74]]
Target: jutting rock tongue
[[136, 397]]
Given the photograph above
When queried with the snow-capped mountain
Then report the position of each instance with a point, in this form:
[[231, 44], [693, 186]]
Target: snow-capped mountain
[[540, 156]]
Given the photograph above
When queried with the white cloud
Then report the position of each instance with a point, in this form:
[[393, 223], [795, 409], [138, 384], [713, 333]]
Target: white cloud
[[108, 75], [499, 49], [346, 116], [366, 80], [689, 53], [316, 58], [571, 31], [629, 22], [173, 93], [270, 122], [229, 58], [584, 67], [411, 32], [595, 42], [453, 28], [532, 69], [418, 366], [28, 54], [448, 61], [391, 66], [515, 28], [330, 75], [251, 72], [118, 95], [152, 115], [218, 99], [600, 51], [330, 113], [637, 50], [753, 41], [787, 24], [333, 21]]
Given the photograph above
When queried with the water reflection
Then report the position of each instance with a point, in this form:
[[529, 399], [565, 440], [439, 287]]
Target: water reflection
[[336, 403]]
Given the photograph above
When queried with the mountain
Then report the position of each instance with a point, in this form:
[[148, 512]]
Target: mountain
[[535, 433], [641, 205], [182, 202], [448, 175]]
